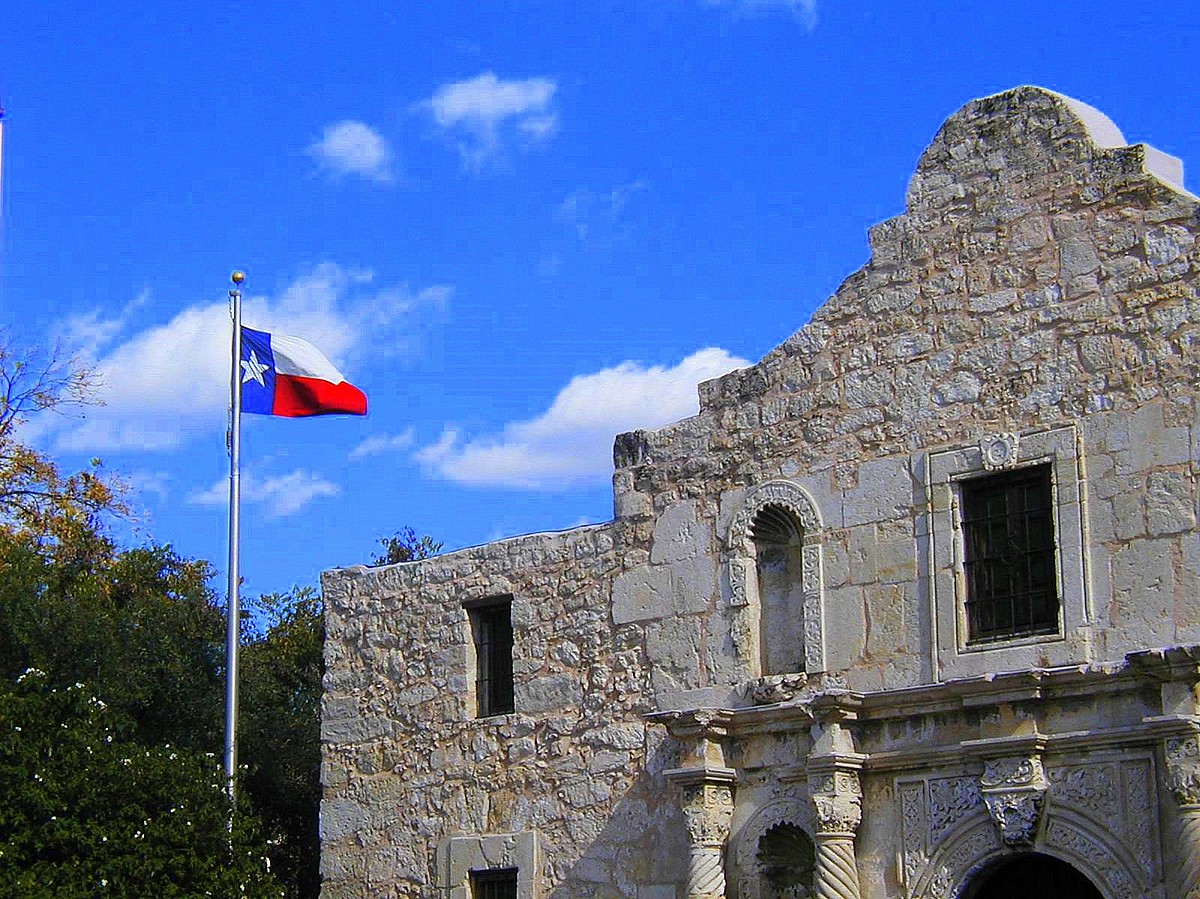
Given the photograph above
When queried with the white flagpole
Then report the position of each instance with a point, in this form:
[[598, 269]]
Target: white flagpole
[[233, 607]]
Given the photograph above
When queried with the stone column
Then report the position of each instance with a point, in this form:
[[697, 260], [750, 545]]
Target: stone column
[[707, 810], [837, 797], [1183, 777], [706, 795]]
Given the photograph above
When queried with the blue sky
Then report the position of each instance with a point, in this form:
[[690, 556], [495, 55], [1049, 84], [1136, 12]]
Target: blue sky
[[519, 227]]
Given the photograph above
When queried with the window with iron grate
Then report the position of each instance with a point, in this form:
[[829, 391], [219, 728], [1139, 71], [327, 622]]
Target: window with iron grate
[[496, 883], [1009, 548], [491, 629]]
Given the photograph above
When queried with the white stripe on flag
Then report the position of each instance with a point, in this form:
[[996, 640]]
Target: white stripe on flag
[[294, 356]]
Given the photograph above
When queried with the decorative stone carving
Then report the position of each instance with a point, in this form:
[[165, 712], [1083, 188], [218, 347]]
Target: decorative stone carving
[[1014, 790], [947, 872], [787, 809], [837, 799], [1183, 777], [777, 688], [950, 800], [999, 450], [1097, 859], [914, 829], [707, 804], [1140, 815], [707, 810], [795, 500], [1089, 788], [1183, 769]]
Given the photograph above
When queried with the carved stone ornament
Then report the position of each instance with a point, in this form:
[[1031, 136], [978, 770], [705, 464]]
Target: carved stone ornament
[[1183, 769], [777, 688], [1014, 791], [837, 800], [999, 450], [707, 811]]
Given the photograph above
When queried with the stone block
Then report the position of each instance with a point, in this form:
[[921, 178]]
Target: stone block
[[679, 536], [341, 818], [1170, 503], [545, 694], [884, 493]]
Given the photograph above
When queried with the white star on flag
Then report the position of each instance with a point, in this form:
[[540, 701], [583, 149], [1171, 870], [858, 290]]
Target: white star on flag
[[252, 369]]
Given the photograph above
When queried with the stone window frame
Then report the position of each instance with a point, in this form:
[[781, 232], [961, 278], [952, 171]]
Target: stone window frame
[[743, 573], [955, 656], [476, 609], [460, 855]]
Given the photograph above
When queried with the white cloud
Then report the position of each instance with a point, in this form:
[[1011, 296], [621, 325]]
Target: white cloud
[[587, 210], [354, 148], [477, 111], [169, 383], [571, 442], [383, 443], [804, 11], [282, 495], [87, 334]]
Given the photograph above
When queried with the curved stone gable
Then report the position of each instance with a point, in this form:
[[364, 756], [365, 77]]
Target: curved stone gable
[[1025, 227]]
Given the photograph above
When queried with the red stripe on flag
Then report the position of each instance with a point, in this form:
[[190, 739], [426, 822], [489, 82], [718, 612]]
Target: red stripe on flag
[[296, 397]]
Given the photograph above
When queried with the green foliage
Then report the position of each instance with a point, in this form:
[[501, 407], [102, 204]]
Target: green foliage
[[405, 546], [93, 798], [89, 812], [140, 627], [281, 674]]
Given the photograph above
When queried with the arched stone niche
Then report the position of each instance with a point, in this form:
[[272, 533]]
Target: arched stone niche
[[776, 593], [772, 853]]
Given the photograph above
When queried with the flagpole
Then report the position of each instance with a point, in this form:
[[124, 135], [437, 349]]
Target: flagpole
[[233, 606]]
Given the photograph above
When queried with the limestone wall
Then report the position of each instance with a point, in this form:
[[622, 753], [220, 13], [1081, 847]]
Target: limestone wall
[[1041, 284]]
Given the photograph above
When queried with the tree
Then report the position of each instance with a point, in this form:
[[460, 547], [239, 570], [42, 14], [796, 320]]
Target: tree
[[280, 739], [405, 546], [140, 626], [88, 811], [114, 787], [36, 498]]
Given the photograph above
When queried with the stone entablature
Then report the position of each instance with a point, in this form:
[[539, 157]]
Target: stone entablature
[[1035, 306]]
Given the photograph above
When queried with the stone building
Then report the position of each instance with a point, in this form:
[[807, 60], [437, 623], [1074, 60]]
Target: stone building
[[909, 609]]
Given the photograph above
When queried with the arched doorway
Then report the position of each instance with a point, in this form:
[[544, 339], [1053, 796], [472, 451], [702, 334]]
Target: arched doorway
[[1031, 876]]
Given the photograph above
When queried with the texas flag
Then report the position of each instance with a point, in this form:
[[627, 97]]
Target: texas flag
[[284, 375]]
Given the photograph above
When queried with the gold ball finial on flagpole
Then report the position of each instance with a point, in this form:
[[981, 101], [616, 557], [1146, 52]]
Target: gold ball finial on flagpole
[[238, 277]]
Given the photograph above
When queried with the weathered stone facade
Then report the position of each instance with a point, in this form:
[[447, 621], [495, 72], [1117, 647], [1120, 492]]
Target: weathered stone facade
[[761, 678]]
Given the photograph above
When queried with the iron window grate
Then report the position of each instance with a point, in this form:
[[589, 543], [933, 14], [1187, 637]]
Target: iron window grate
[[1008, 528], [496, 883], [493, 633]]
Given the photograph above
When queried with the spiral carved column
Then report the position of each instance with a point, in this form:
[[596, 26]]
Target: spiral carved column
[[707, 810], [1183, 772], [837, 797], [836, 874], [836, 792]]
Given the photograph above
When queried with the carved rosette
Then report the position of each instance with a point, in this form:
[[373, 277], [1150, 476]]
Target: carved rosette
[[1014, 791], [707, 811], [999, 450], [837, 799]]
